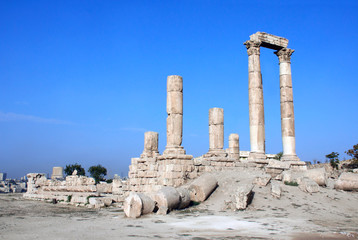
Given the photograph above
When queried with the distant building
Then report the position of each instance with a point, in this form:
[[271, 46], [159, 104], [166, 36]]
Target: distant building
[[3, 176]]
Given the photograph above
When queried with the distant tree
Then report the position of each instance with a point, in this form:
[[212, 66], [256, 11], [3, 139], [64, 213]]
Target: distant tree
[[278, 156], [98, 172], [354, 154], [333, 159], [72, 167]]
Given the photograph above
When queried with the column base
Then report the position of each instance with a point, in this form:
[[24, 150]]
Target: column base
[[174, 150], [287, 157], [215, 153]]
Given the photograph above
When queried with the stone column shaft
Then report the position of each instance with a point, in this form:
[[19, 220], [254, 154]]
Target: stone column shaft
[[175, 115], [256, 101], [216, 129], [150, 144], [234, 146], [287, 112]]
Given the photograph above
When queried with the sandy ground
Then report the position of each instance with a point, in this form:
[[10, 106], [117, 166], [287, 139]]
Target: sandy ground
[[329, 214]]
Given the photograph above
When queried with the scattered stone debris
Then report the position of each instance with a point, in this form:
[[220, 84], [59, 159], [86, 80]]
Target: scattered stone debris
[[275, 189], [347, 181], [243, 196], [307, 185]]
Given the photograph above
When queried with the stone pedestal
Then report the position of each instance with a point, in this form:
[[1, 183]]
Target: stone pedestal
[[256, 102], [234, 146], [150, 145], [175, 115], [287, 113]]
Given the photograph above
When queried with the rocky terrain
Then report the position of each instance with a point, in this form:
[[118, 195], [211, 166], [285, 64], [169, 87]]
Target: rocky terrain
[[326, 214]]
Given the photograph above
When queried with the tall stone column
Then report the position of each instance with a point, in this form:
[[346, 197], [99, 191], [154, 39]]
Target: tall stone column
[[150, 144], [175, 115], [287, 114], [256, 102], [216, 130]]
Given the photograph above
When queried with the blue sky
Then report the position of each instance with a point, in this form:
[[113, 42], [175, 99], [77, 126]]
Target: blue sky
[[81, 81]]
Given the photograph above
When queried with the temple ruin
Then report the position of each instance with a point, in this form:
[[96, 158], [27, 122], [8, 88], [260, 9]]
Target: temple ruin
[[152, 171]]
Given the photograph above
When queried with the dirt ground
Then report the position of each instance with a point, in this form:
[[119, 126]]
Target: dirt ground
[[329, 214]]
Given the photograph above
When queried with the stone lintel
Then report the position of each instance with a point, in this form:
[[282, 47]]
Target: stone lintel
[[270, 41]]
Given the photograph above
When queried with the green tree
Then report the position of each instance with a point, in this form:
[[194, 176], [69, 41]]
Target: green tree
[[98, 172], [72, 167], [354, 154], [333, 159], [278, 156]]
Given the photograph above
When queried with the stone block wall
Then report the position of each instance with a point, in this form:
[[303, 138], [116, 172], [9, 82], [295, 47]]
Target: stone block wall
[[74, 190]]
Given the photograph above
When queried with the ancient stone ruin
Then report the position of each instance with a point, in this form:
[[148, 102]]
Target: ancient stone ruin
[[174, 178], [174, 167]]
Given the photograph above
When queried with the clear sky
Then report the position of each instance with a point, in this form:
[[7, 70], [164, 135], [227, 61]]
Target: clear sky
[[81, 81]]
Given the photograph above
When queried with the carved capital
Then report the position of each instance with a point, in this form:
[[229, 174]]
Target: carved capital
[[253, 47], [284, 54]]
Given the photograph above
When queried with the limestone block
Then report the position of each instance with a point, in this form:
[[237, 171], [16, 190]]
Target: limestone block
[[278, 164], [255, 97], [175, 102], [184, 197], [307, 185], [78, 199], [256, 114], [275, 173], [99, 202], [286, 81], [174, 129], [216, 116], [275, 189], [216, 137], [167, 198], [150, 144], [262, 180], [57, 172], [174, 83], [318, 175], [243, 196], [201, 188], [193, 175], [291, 176], [104, 187], [234, 146], [269, 40], [347, 181], [287, 110], [255, 81], [254, 64], [286, 94]]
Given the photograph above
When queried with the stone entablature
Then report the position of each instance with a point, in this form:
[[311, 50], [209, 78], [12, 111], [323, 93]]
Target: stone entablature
[[269, 41]]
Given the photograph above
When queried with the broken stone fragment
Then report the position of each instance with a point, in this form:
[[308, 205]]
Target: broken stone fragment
[[262, 180], [201, 188], [184, 197], [275, 189], [137, 204], [243, 196], [347, 181], [307, 185], [167, 198], [318, 175]]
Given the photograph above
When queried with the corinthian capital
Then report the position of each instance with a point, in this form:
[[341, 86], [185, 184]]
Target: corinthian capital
[[253, 47], [284, 54]]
